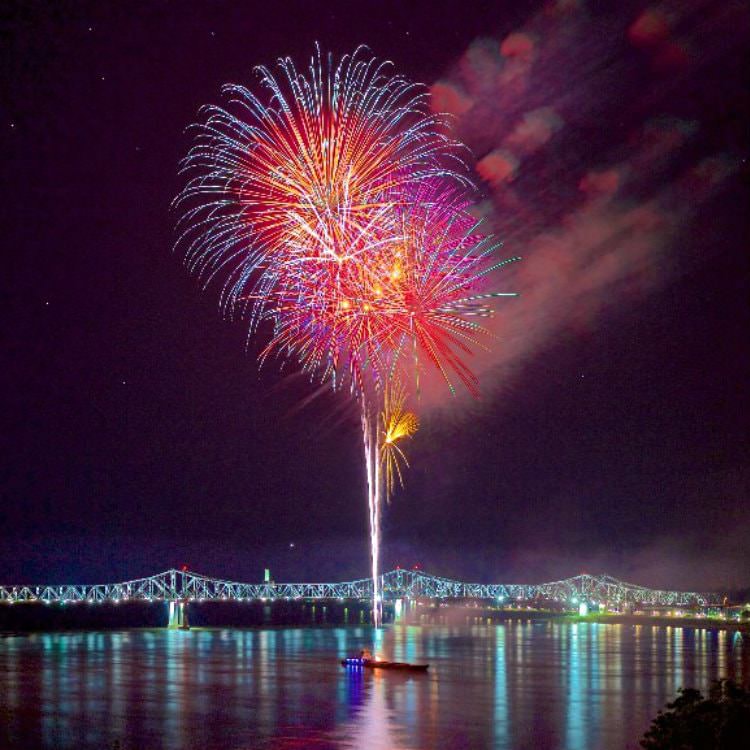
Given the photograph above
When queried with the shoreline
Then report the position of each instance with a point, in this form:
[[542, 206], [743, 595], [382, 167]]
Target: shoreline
[[487, 617], [705, 623]]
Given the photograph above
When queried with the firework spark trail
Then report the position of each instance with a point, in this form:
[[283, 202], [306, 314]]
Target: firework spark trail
[[370, 436], [338, 212]]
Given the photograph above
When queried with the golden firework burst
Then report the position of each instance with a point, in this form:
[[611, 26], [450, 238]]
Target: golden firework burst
[[397, 424]]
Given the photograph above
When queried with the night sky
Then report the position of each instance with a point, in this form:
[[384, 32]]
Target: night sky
[[138, 433]]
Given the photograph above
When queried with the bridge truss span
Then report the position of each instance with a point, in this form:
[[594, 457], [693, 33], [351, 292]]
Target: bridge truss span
[[183, 586]]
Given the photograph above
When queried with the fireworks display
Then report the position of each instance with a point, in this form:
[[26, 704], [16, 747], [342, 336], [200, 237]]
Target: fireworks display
[[397, 424], [336, 210]]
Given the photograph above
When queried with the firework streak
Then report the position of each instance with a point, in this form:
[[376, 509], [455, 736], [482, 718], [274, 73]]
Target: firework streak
[[335, 211]]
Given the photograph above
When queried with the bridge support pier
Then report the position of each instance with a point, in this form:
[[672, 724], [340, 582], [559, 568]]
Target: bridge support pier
[[178, 619]]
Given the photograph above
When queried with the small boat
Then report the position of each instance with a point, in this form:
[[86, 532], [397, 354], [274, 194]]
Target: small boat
[[356, 662]]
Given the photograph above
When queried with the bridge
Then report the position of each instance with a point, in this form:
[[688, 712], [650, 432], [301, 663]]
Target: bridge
[[180, 586]]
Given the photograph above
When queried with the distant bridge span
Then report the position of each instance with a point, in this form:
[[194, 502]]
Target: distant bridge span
[[183, 586]]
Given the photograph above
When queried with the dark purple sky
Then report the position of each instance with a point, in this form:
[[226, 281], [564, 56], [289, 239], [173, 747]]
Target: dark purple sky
[[137, 434]]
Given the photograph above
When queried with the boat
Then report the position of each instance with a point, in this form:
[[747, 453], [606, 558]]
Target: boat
[[356, 662]]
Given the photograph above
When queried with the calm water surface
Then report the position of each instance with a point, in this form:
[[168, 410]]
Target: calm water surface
[[510, 685]]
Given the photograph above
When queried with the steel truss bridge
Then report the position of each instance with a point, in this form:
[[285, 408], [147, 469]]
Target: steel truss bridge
[[185, 586]]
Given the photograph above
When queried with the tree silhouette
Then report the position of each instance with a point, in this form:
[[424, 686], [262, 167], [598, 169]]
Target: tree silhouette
[[692, 722]]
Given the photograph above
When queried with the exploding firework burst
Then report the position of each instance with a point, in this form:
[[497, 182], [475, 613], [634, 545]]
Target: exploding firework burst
[[301, 184], [411, 305], [398, 423], [335, 209]]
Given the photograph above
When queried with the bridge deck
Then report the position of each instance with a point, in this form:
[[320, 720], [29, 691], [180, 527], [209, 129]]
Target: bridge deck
[[178, 585]]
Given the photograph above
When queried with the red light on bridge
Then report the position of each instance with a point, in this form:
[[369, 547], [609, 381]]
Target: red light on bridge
[[184, 568]]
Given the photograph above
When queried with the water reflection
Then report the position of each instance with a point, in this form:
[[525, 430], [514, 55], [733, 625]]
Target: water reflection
[[373, 723], [574, 729], [500, 714], [516, 684]]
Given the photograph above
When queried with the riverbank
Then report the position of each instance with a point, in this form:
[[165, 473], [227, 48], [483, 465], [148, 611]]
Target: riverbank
[[707, 623], [614, 618], [21, 619]]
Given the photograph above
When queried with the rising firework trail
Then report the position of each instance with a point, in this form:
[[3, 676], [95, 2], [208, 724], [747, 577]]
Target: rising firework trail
[[333, 207]]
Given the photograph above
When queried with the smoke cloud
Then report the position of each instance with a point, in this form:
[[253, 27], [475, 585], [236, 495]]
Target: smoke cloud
[[588, 141]]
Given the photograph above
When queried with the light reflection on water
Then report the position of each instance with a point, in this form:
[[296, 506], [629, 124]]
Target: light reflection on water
[[511, 685]]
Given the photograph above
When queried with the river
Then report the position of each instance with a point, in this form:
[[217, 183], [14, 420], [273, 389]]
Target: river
[[516, 684]]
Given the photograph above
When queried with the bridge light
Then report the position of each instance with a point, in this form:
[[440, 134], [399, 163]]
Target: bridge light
[[583, 609]]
